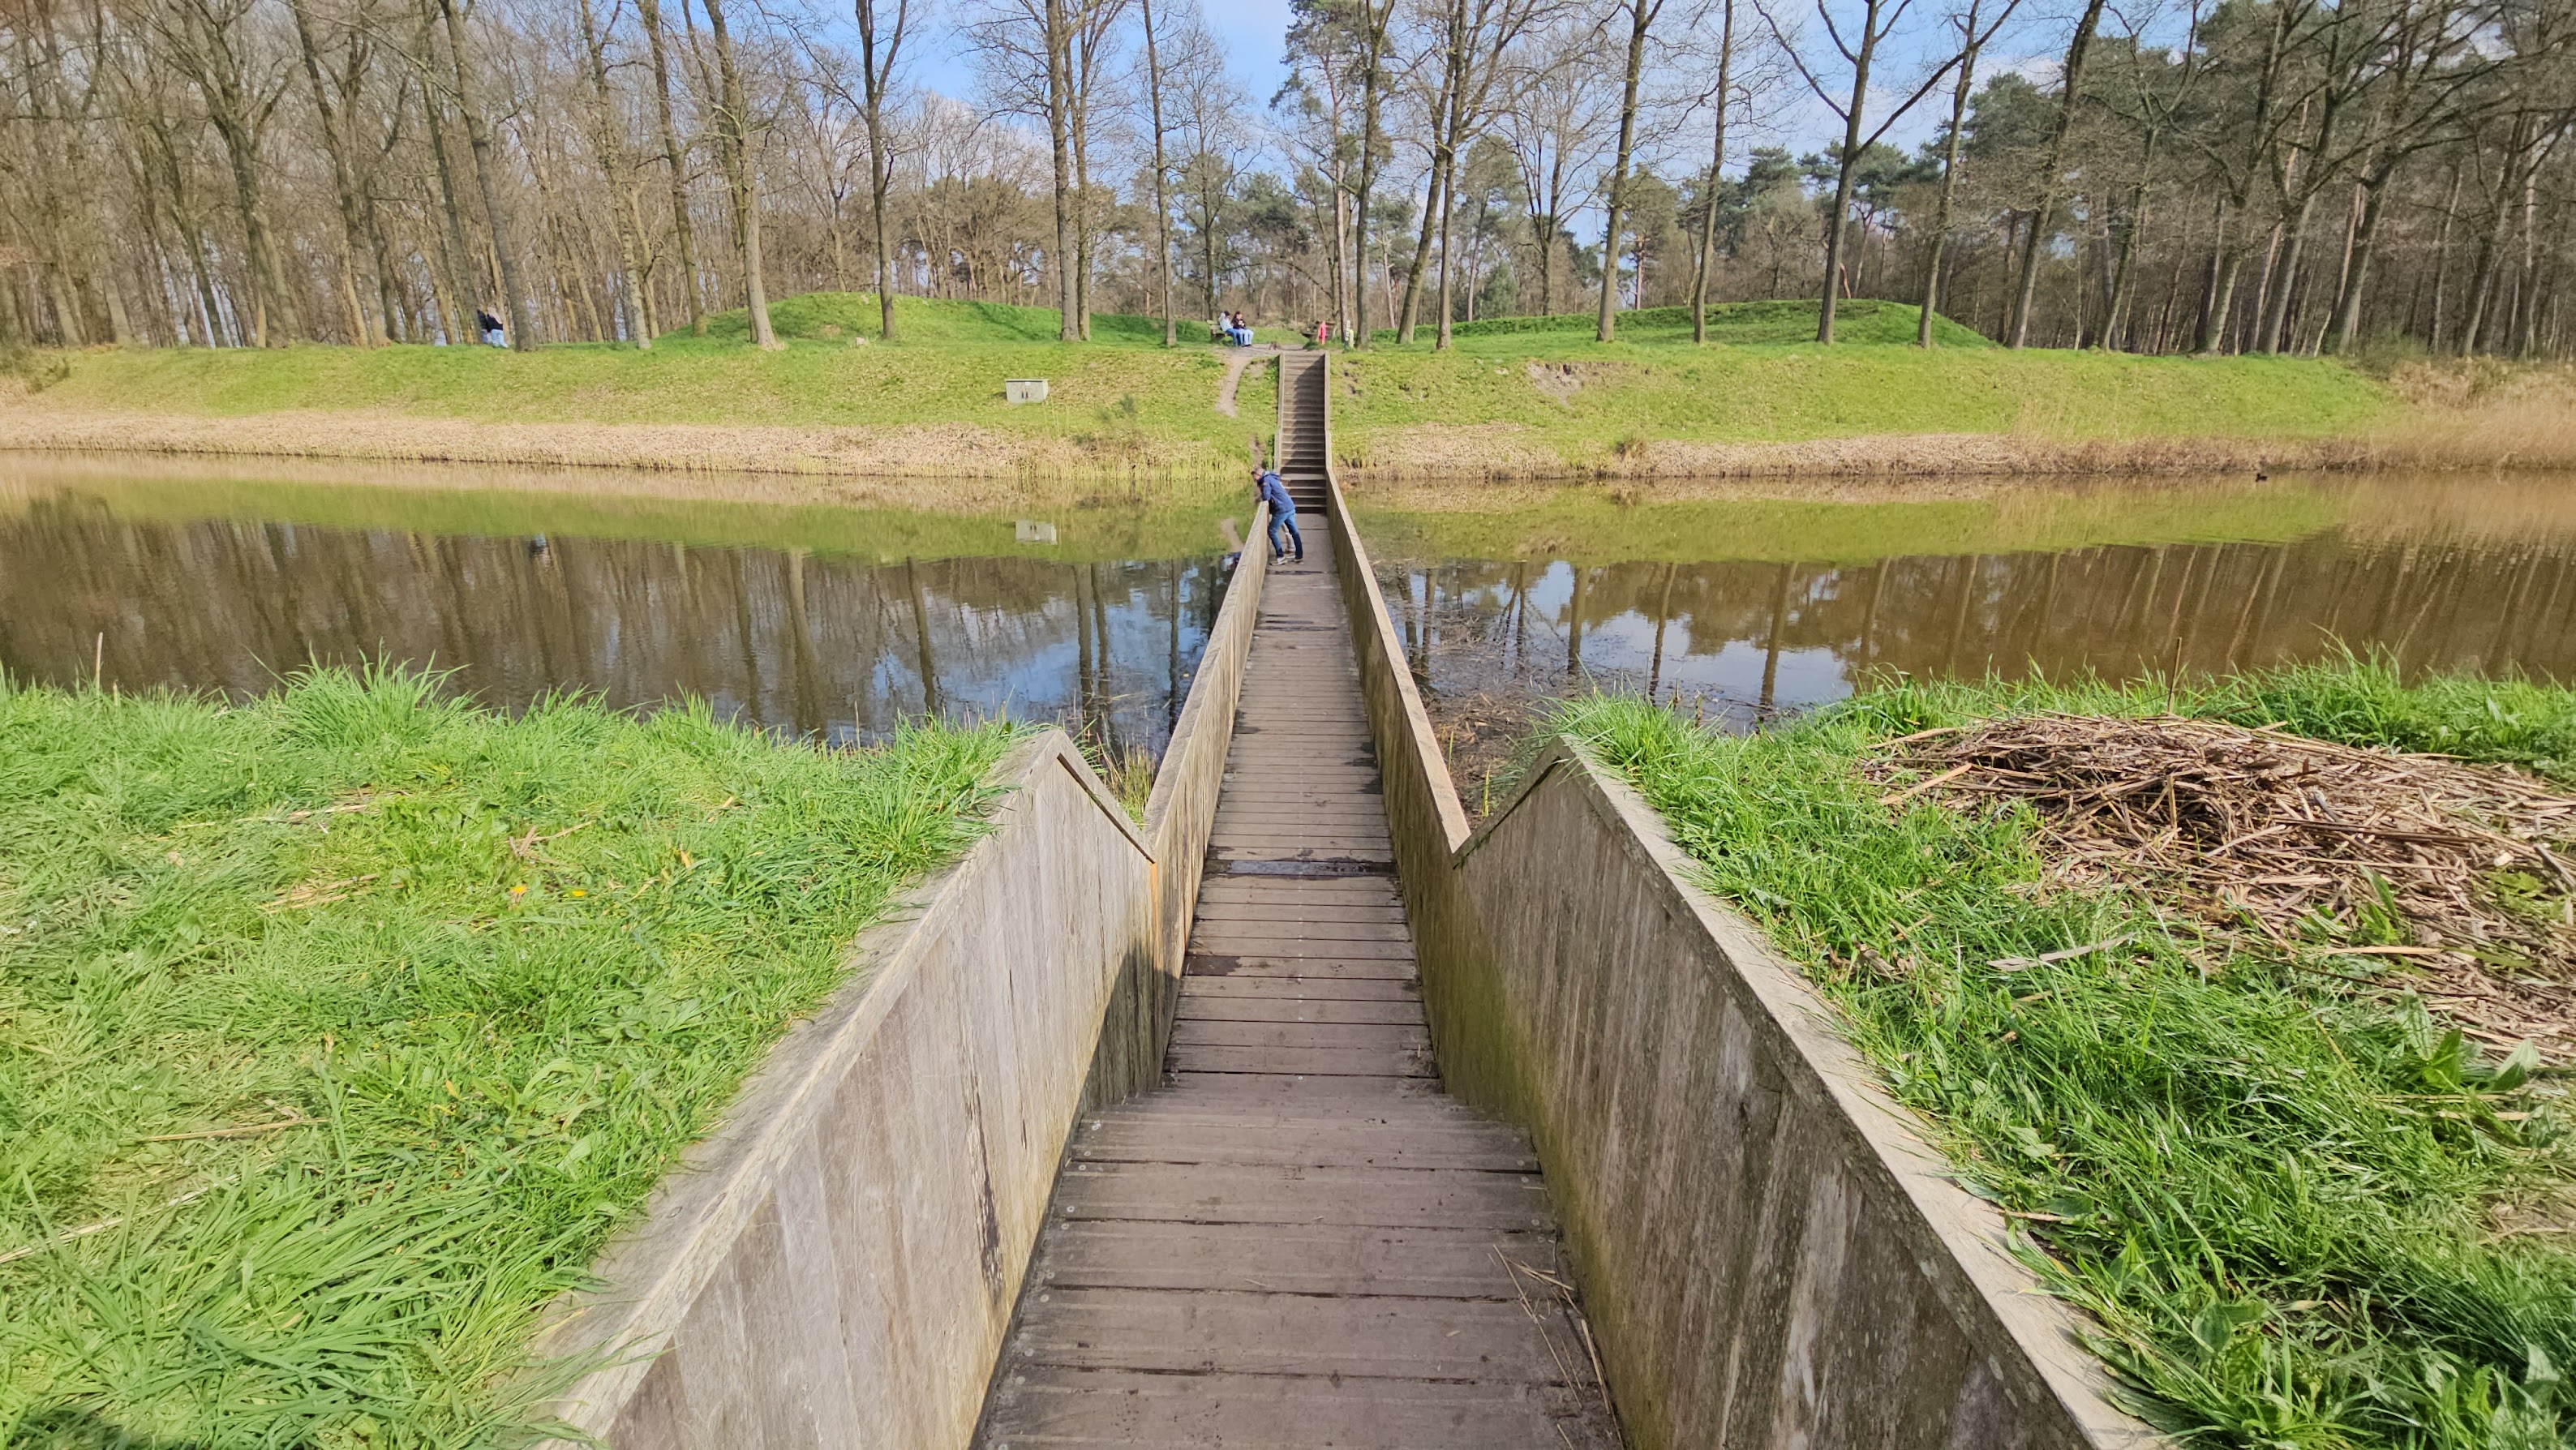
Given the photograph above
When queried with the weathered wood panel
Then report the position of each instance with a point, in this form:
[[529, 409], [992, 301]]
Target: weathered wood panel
[[837, 1265], [1300, 1240], [1768, 1253]]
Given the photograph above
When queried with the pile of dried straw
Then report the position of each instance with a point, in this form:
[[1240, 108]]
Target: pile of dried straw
[[2414, 872]]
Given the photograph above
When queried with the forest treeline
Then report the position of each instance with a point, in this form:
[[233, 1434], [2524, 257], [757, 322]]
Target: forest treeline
[[2176, 176]]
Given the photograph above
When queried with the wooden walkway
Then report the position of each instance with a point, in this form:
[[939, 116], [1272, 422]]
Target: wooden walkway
[[1299, 1240]]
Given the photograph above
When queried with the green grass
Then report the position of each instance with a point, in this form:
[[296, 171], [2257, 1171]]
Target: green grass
[[839, 316], [507, 969], [1595, 525], [1860, 321], [1646, 392], [1125, 399], [2273, 1199]]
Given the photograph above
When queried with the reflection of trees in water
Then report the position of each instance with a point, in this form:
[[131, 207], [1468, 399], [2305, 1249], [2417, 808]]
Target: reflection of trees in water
[[784, 638], [1753, 637]]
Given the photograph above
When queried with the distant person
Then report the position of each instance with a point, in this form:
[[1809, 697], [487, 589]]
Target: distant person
[[490, 326], [1242, 334], [1323, 332], [1283, 514]]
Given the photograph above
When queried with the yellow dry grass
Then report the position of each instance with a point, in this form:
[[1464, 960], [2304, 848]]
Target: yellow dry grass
[[952, 452]]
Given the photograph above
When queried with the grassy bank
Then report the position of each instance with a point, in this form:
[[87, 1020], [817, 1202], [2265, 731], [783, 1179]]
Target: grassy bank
[[1516, 398], [337, 1031], [2304, 1213]]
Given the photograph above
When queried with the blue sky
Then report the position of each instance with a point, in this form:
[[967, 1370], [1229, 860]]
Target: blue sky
[[1254, 32]]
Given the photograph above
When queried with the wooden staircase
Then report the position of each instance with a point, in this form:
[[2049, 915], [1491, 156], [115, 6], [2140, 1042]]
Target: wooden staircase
[[1305, 435]]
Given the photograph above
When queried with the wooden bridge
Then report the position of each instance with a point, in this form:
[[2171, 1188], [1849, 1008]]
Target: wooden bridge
[[1299, 1240]]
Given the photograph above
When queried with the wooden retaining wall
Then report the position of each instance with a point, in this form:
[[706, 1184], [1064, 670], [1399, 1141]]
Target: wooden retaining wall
[[837, 1265], [1768, 1252]]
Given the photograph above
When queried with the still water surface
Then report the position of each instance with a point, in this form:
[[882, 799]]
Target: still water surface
[[829, 622], [1748, 607]]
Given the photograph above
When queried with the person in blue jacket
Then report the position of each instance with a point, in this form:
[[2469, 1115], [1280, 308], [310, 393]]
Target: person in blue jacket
[[1283, 514]]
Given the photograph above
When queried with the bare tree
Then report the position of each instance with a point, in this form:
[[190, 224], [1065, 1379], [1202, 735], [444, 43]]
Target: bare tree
[[1555, 124], [1974, 31], [881, 38], [1877, 20], [1641, 16], [1162, 176], [675, 162], [496, 215], [2052, 170], [735, 132]]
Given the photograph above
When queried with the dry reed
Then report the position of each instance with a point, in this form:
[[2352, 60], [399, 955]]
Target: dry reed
[[2450, 879]]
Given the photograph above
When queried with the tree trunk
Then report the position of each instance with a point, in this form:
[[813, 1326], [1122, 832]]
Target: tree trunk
[[742, 175], [1058, 62], [2272, 333], [469, 296], [1413, 276], [612, 157], [1444, 113], [334, 144], [478, 137], [648, 14], [1716, 177], [1163, 197], [2052, 174], [2228, 264], [1959, 94], [876, 77], [2356, 277], [1374, 18], [1839, 219], [1441, 336], [1641, 14]]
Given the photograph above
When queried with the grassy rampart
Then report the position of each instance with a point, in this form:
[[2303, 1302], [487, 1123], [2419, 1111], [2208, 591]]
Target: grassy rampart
[[1515, 398], [337, 1031], [2306, 1212]]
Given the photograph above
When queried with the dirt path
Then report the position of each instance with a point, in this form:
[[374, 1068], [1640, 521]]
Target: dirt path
[[1234, 367]]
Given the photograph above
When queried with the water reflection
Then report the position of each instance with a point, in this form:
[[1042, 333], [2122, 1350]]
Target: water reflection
[[839, 647], [1757, 637]]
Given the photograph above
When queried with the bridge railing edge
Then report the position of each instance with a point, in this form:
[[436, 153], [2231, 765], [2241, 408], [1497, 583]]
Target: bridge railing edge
[[839, 1261], [1737, 1188]]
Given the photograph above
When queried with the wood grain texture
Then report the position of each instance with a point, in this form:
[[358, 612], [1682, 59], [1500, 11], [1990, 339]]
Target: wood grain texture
[[1299, 1240]]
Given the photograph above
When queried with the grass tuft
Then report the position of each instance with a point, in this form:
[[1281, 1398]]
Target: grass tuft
[[337, 1031], [2301, 1219]]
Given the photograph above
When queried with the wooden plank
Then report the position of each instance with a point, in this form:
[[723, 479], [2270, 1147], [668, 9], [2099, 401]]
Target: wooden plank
[[1376, 1197], [1201, 1008], [1308, 1061], [1293, 1242], [1224, 886], [1310, 923], [1246, 939], [1406, 1037], [1216, 990], [1291, 1093], [1437, 1263], [1303, 906], [1215, 965], [1315, 844], [1155, 1411], [1344, 1142], [1355, 1337]]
